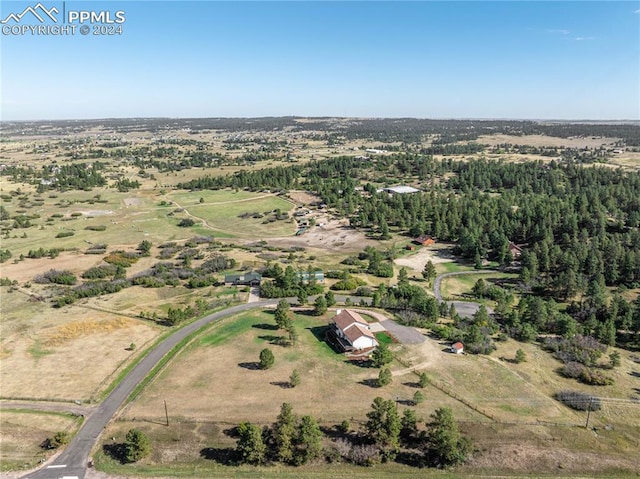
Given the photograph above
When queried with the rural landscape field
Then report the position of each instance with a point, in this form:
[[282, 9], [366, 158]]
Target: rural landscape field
[[219, 239]]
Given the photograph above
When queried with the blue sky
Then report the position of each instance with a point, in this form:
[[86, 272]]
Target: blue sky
[[455, 59]]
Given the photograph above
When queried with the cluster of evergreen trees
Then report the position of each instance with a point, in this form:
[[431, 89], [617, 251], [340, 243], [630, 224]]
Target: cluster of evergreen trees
[[296, 441]]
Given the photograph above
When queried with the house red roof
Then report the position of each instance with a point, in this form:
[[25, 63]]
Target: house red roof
[[356, 332], [457, 345], [346, 318], [352, 325]]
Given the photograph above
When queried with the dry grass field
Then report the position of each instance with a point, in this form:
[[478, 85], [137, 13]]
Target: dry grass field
[[70, 354], [22, 433], [215, 378], [213, 385]]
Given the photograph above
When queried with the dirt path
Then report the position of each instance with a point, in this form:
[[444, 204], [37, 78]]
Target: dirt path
[[76, 409]]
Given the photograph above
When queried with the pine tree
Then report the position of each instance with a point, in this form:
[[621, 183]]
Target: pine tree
[[250, 446], [136, 445]]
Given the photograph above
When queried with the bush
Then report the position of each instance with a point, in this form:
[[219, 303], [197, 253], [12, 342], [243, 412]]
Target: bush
[[364, 455], [65, 234], [579, 401], [186, 223], [121, 258], [57, 277], [100, 272], [266, 359], [96, 228]]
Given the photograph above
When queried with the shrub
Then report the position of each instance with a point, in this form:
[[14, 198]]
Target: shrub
[[364, 455], [186, 223], [57, 277], [96, 228], [100, 272], [65, 234], [121, 258], [579, 401]]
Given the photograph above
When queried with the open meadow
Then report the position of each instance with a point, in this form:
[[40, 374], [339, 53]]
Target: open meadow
[[214, 384]]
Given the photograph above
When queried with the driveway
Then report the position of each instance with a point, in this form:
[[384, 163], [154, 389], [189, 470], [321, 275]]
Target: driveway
[[404, 334]]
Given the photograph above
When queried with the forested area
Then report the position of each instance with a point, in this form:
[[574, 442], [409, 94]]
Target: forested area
[[578, 226]]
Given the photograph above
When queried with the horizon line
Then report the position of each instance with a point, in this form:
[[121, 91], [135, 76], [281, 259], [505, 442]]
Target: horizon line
[[356, 117]]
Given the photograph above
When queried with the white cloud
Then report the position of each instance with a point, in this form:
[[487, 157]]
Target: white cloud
[[637, 12], [560, 31], [580, 39]]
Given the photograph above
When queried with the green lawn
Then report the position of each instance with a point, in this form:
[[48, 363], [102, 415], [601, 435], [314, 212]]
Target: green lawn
[[222, 210]]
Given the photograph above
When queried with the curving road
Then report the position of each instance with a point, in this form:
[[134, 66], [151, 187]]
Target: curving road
[[72, 462], [466, 309]]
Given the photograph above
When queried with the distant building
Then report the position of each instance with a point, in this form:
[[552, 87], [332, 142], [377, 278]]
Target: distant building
[[245, 279], [457, 348], [348, 331], [515, 250], [424, 240], [401, 190], [306, 276]]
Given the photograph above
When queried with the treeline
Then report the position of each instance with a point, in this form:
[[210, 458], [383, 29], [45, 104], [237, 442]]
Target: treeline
[[287, 283], [384, 437], [66, 176]]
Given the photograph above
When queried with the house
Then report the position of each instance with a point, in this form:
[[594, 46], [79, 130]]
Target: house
[[424, 240], [244, 279], [305, 276], [457, 348], [348, 331], [515, 250], [401, 190]]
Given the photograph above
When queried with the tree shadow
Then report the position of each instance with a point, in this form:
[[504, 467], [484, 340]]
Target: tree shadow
[[361, 363], [253, 366], [267, 326], [115, 451], [282, 384], [406, 402], [411, 458], [222, 455], [412, 385], [635, 374], [231, 432], [372, 383]]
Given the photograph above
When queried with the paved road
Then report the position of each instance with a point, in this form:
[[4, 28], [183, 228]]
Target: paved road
[[466, 309], [73, 460]]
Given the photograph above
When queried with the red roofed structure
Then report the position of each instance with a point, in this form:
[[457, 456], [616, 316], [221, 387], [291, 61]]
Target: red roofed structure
[[350, 332]]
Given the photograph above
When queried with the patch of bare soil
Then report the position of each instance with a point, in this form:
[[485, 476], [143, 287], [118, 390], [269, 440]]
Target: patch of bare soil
[[418, 261], [304, 197], [328, 234], [95, 212]]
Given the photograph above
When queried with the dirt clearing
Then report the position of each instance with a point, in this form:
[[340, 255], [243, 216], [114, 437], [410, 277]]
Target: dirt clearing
[[436, 254]]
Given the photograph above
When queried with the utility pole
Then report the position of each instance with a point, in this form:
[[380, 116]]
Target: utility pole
[[588, 413], [166, 413]]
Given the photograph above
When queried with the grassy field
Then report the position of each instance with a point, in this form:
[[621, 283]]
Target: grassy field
[[459, 287], [214, 384], [221, 210], [22, 433]]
